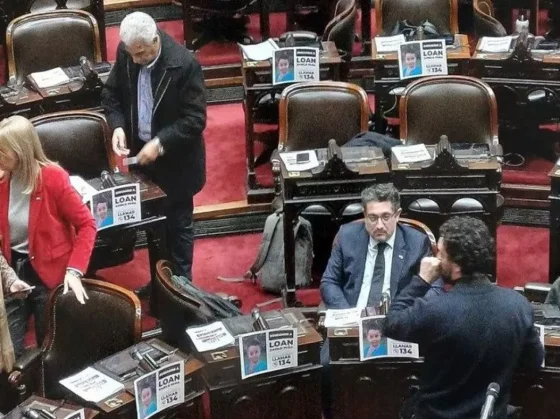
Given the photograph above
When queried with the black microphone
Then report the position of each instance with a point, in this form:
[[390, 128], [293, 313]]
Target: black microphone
[[491, 397], [145, 363], [107, 180]]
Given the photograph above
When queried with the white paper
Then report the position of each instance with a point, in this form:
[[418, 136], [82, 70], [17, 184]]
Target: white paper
[[259, 52], [83, 188], [422, 58], [295, 65], [290, 160], [267, 351], [342, 318], [116, 206], [389, 43], [92, 385], [79, 414], [373, 344], [210, 337], [50, 78], [495, 44], [160, 389], [411, 153]]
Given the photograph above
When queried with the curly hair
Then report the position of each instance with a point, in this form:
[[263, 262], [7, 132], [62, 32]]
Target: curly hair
[[469, 244]]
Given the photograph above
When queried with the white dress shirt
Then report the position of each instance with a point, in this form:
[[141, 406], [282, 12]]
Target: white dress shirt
[[368, 269]]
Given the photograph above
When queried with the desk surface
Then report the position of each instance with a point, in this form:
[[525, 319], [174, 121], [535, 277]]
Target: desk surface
[[58, 408], [329, 55], [459, 51], [548, 57]]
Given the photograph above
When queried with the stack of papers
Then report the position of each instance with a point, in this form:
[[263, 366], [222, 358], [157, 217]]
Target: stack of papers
[[92, 385], [411, 153], [49, 78], [210, 337], [259, 52], [388, 43]]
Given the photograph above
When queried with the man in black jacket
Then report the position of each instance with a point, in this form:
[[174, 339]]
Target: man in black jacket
[[154, 100], [475, 334]]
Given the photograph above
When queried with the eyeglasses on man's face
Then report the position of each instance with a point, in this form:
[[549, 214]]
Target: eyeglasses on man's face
[[385, 218]]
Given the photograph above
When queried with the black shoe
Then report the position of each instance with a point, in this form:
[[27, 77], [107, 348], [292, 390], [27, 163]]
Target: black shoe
[[144, 292]]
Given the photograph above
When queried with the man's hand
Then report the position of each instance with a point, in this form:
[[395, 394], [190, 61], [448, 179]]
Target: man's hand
[[119, 142], [430, 269], [75, 284], [19, 289], [149, 152]]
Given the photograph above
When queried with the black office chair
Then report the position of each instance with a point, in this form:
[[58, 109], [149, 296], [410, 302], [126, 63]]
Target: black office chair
[[205, 21]]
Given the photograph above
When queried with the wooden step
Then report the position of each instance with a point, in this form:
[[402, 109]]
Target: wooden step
[[113, 5]]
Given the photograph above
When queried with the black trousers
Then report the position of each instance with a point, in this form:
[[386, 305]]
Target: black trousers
[[20, 310], [180, 236]]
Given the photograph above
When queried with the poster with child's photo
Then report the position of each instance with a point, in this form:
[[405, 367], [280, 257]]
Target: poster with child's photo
[[410, 60], [373, 343], [283, 69], [146, 393], [102, 208], [254, 358]]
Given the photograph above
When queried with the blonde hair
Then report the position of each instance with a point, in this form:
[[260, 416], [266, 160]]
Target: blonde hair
[[18, 134]]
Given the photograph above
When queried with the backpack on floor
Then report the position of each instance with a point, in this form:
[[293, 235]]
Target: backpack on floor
[[269, 263]]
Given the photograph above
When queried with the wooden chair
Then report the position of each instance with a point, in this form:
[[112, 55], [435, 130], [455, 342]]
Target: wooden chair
[[441, 13], [78, 336], [45, 40]]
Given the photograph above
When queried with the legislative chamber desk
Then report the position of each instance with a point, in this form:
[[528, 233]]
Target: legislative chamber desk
[[123, 368], [554, 243], [387, 76], [518, 78], [461, 179], [59, 409], [342, 175], [291, 393], [378, 388], [153, 201], [257, 84]]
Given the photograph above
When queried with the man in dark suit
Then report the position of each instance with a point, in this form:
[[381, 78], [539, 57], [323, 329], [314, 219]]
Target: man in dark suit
[[154, 99], [355, 276], [476, 334]]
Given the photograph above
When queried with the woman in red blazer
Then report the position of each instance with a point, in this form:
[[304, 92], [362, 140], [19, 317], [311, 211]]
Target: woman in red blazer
[[46, 232]]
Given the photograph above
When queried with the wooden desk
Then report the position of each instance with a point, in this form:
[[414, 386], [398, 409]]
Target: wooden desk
[[257, 83], [60, 409], [123, 404], [333, 186], [514, 76], [387, 76], [554, 241]]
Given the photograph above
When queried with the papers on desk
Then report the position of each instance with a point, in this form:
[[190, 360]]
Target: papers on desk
[[49, 78], [210, 337], [495, 44], [259, 52], [299, 161], [389, 43], [342, 318], [83, 188], [411, 153], [92, 385]]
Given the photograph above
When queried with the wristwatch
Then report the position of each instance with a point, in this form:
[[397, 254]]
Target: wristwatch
[[161, 151], [74, 272]]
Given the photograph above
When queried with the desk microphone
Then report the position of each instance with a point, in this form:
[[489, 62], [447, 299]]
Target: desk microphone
[[259, 323], [107, 180], [145, 362], [31, 414], [491, 396], [385, 302]]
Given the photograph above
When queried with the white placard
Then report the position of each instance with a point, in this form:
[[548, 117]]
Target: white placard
[[411, 153], [259, 52], [342, 318], [210, 337], [495, 44], [50, 78], [79, 414], [299, 161], [422, 58], [389, 43], [267, 351], [295, 65], [116, 206], [373, 344], [92, 385], [160, 389]]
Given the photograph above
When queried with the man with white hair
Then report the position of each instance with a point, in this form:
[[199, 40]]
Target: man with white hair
[[155, 103]]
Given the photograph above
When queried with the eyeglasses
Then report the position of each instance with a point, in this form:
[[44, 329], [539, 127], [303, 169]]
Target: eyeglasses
[[385, 218]]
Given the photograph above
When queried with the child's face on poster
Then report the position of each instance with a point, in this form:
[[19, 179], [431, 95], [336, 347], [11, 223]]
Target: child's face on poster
[[254, 353], [374, 337], [283, 65], [146, 396], [410, 60]]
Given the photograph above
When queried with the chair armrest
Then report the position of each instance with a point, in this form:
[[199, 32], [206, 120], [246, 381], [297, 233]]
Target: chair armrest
[[25, 377]]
